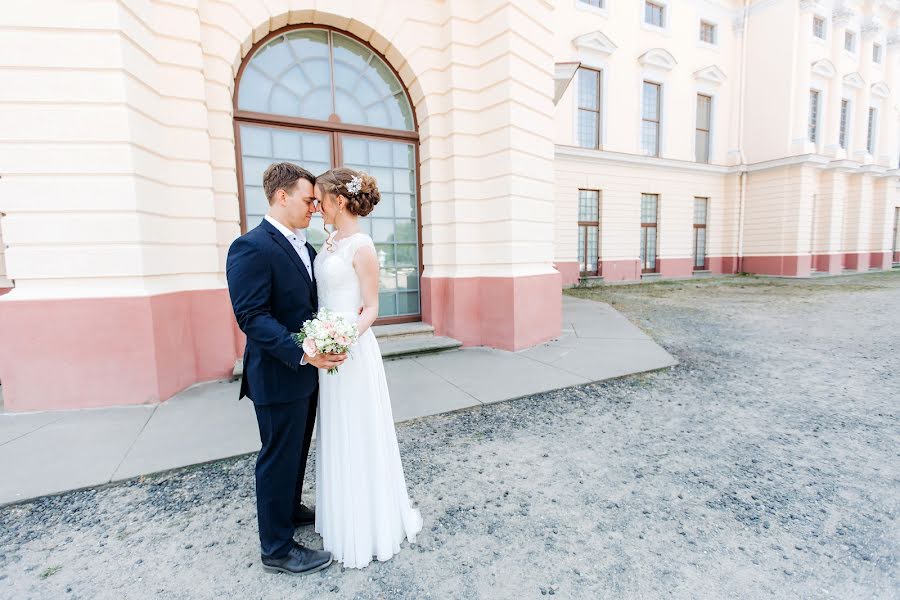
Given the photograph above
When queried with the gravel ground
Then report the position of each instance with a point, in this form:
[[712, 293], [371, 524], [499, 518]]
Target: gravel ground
[[764, 465]]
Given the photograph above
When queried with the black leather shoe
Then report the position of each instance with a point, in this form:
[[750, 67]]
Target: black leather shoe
[[304, 516], [300, 560]]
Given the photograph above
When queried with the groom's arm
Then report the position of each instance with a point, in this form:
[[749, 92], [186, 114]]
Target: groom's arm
[[250, 288]]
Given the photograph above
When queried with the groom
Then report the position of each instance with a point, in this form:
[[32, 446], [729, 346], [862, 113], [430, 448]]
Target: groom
[[273, 291]]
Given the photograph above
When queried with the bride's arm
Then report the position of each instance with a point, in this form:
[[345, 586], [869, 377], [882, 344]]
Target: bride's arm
[[365, 262]]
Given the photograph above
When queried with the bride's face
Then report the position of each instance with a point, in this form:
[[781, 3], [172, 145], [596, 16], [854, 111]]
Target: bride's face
[[329, 204]]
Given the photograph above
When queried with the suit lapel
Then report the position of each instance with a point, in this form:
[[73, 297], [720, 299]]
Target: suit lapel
[[287, 247]]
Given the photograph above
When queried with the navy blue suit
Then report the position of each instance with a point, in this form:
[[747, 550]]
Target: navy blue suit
[[272, 295]]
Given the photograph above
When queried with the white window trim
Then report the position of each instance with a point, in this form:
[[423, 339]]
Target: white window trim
[[828, 30], [603, 12], [603, 68], [879, 64], [713, 106], [667, 17], [855, 52], [816, 86], [657, 78], [875, 137], [850, 105], [718, 43]]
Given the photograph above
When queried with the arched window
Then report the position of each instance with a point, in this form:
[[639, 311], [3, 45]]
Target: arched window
[[321, 98]]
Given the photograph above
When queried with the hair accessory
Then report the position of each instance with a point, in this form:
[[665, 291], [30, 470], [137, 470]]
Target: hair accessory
[[354, 185]]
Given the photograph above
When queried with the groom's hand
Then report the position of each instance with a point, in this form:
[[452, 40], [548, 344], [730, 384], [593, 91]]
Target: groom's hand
[[326, 361]]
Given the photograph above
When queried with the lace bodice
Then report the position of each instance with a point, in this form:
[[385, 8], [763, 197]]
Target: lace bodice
[[336, 279]]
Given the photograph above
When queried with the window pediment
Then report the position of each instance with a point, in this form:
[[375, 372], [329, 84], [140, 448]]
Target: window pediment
[[658, 58]]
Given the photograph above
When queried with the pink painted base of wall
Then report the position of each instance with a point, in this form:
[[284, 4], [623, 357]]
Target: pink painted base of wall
[[570, 272], [828, 263], [79, 353], [722, 265], [510, 313], [785, 266], [675, 267], [880, 260], [856, 262], [620, 270]]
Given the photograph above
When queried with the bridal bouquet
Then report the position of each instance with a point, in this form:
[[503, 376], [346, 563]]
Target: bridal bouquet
[[327, 333]]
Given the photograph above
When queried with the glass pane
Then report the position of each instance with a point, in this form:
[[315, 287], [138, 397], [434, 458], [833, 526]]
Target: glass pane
[[700, 211], [588, 89], [702, 146], [592, 249], [387, 305], [394, 221], [588, 205], [704, 104], [366, 90], [651, 247], [648, 208], [651, 101], [700, 248], [262, 146], [588, 129], [650, 138], [582, 232], [291, 75]]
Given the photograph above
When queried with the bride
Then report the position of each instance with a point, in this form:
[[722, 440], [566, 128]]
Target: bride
[[362, 505]]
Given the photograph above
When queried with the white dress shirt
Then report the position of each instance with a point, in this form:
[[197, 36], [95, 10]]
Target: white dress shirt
[[297, 238]]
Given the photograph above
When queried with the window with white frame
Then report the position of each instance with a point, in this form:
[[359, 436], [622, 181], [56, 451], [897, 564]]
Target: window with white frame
[[649, 224], [650, 118], [819, 27], [849, 41], [588, 231], [654, 14], [701, 206], [594, 3], [588, 127], [813, 115], [870, 139], [708, 32], [704, 118], [876, 53], [845, 123]]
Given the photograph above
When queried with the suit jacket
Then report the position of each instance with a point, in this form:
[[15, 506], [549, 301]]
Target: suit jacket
[[272, 295]]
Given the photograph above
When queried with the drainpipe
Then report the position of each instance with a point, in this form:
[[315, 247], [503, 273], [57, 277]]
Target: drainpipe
[[743, 158]]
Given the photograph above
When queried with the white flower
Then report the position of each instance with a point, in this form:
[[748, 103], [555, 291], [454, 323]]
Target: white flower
[[354, 185]]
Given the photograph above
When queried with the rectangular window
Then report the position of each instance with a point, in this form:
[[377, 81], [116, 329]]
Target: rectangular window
[[870, 140], [649, 204], [650, 118], [701, 142], [845, 115], [819, 27], [654, 14], [813, 124], [897, 234], [595, 3], [849, 41], [876, 53], [588, 108], [700, 210], [707, 32], [588, 231]]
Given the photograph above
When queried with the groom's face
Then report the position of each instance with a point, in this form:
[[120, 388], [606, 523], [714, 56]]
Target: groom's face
[[300, 204]]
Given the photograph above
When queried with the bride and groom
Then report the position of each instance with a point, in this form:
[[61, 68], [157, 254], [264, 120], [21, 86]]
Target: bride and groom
[[277, 281]]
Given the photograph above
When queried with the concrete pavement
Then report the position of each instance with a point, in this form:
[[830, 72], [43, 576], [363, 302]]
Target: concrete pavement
[[53, 452]]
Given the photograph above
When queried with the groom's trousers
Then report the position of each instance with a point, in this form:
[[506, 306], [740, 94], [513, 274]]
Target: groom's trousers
[[286, 433]]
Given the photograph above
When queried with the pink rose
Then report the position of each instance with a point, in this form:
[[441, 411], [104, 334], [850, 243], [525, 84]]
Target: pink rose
[[309, 346]]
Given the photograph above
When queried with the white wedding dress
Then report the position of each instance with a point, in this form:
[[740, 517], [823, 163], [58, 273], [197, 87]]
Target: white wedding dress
[[362, 505]]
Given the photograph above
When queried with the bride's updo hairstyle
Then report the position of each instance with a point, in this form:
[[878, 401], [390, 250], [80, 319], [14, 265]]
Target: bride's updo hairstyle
[[359, 188]]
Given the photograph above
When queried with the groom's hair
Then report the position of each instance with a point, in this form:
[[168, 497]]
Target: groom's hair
[[283, 176]]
